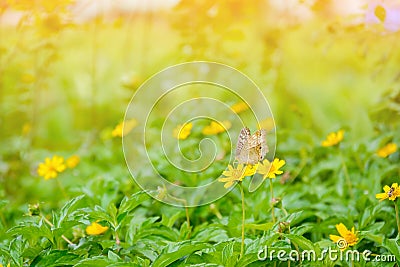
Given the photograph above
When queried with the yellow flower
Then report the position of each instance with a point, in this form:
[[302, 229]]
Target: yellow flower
[[239, 107], [26, 128], [387, 150], [268, 124], [390, 192], [8, 265], [333, 139], [216, 127], [347, 238], [124, 128], [181, 132], [28, 78], [232, 175], [96, 229], [51, 167], [270, 170], [73, 161], [250, 169]]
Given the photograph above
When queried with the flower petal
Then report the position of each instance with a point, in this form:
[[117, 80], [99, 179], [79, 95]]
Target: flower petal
[[279, 163], [381, 196], [335, 238], [342, 229], [386, 188]]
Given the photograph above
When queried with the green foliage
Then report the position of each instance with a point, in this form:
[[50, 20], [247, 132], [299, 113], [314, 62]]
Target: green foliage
[[64, 87]]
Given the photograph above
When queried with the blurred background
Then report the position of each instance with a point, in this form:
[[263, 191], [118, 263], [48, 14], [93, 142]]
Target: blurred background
[[69, 68]]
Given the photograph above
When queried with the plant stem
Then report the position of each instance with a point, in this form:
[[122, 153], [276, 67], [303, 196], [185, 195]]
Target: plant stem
[[114, 225], [215, 210], [346, 174], [3, 220], [186, 210], [117, 240], [61, 188], [272, 201], [397, 217], [62, 236], [187, 216], [243, 219]]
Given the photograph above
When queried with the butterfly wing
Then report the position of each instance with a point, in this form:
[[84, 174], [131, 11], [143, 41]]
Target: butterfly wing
[[258, 143], [253, 155], [256, 139], [257, 152], [263, 143], [242, 145]]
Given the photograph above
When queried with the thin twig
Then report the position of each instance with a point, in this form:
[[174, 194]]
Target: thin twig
[[272, 201], [61, 188], [397, 217], [62, 236], [346, 174], [243, 219], [186, 210]]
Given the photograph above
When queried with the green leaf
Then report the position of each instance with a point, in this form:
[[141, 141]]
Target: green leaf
[[98, 261], [67, 209], [33, 251], [170, 220], [160, 231], [366, 217], [145, 249], [87, 247], [126, 264], [373, 237], [67, 226], [393, 247], [209, 233], [100, 214], [185, 231], [272, 239], [55, 258], [204, 259], [302, 229], [300, 241], [16, 250], [177, 251], [4, 253], [112, 212], [121, 217], [227, 252], [32, 232], [113, 257], [262, 227], [376, 227], [3, 203], [251, 258], [297, 217], [130, 203]]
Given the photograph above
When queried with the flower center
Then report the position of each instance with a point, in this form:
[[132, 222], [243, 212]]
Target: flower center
[[390, 192], [52, 168], [237, 174], [351, 239], [272, 168]]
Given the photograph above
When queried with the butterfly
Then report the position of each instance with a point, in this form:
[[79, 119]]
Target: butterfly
[[251, 149]]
